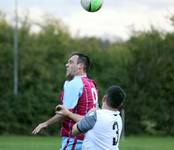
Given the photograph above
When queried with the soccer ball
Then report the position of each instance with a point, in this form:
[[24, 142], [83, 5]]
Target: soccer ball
[[91, 5]]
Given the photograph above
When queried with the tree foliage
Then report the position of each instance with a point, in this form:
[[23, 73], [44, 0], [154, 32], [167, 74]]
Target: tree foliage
[[143, 66]]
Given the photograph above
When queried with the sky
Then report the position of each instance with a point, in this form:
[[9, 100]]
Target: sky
[[114, 20]]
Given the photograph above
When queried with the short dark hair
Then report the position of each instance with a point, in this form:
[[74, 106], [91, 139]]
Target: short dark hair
[[84, 59], [115, 96]]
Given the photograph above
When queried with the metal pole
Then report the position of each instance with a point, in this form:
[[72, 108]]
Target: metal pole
[[15, 53]]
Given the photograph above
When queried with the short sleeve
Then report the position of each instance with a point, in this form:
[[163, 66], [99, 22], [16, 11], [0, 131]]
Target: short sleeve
[[87, 122], [72, 91]]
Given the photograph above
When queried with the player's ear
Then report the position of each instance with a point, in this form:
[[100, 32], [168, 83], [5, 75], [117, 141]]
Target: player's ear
[[81, 66], [104, 98], [104, 101]]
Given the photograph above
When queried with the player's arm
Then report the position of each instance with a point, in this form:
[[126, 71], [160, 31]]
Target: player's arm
[[75, 130], [85, 124], [61, 110], [52, 120]]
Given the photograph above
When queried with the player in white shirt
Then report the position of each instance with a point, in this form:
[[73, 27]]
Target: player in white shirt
[[103, 127]]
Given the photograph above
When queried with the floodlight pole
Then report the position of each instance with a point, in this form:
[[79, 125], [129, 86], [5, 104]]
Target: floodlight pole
[[15, 53]]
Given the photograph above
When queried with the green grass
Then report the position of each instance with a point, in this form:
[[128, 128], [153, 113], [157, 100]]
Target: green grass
[[29, 143], [147, 143], [53, 143]]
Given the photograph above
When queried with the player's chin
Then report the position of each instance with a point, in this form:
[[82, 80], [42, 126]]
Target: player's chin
[[69, 76]]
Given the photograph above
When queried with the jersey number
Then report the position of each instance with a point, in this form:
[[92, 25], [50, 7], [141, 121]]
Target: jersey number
[[94, 96], [116, 130]]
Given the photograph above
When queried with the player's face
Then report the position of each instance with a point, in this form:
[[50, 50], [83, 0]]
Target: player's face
[[72, 67]]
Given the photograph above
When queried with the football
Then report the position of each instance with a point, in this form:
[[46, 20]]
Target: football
[[91, 5]]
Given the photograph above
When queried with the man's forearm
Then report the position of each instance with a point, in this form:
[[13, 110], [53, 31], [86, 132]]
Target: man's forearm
[[67, 113], [75, 130], [75, 117], [54, 119]]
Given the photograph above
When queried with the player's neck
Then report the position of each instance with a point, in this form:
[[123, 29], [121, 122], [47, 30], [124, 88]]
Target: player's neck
[[82, 74], [109, 108]]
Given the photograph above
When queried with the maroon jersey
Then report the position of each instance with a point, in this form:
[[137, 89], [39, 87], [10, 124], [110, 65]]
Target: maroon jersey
[[87, 101]]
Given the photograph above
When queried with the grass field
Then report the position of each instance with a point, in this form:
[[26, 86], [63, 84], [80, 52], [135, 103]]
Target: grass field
[[53, 143]]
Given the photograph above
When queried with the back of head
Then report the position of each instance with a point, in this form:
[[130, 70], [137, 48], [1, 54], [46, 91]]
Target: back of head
[[115, 96], [84, 59]]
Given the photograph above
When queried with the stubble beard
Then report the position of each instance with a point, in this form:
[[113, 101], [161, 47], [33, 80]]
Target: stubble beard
[[69, 76]]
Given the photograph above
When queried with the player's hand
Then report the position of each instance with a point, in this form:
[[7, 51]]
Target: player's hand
[[39, 128], [61, 110]]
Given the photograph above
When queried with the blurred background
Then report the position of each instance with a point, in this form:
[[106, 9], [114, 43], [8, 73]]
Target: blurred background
[[130, 43]]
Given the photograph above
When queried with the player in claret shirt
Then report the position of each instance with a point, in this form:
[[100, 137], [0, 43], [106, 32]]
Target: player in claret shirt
[[79, 95]]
